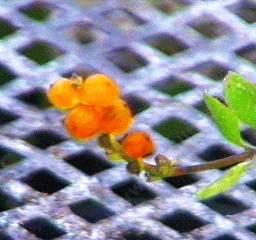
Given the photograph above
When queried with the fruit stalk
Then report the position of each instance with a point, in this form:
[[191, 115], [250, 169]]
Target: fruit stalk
[[217, 164]]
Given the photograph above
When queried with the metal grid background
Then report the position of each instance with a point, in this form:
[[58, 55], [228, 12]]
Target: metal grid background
[[60, 189]]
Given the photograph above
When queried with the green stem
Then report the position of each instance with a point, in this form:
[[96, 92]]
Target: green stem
[[220, 163], [165, 167]]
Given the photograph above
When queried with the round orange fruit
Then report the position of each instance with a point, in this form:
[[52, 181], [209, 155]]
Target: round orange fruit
[[64, 94], [117, 118], [83, 122], [100, 90]]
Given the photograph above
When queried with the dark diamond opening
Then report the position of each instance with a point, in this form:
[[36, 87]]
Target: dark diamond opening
[[36, 97], [6, 116], [91, 210], [248, 52], [45, 181], [136, 104], [85, 35], [210, 28], [133, 192], [135, 235], [245, 10], [6, 28], [166, 44], [88, 33], [124, 19], [88, 162], [252, 228], [182, 221], [201, 106], [252, 184], [5, 236], [249, 135], [37, 11], [170, 6], [225, 205], [9, 157], [181, 181], [225, 237], [216, 152], [173, 86], [8, 202], [44, 138], [6, 75], [176, 129], [43, 228], [126, 59], [41, 52], [212, 70]]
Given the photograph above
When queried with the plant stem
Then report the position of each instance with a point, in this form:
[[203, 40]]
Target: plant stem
[[165, 167], [220, 163]]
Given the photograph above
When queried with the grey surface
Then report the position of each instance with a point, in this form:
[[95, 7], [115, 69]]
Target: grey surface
[[145, 23]]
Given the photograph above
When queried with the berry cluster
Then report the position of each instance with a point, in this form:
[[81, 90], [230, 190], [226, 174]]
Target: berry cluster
[[95, 107], [95, 104]]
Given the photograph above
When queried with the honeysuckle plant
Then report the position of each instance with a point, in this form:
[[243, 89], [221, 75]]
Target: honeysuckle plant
[[96, 110]]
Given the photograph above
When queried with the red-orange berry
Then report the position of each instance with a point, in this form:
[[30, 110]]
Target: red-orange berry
[[138, 145], [83, 122], [116, 118], [64, 94], [100, 90]]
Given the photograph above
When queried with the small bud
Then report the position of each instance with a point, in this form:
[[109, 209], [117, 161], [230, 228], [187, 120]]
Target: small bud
[[138, 144], [134, 167], [165, 165]]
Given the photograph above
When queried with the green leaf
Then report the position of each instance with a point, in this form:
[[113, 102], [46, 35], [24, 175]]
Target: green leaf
[[241, 97], [226, 183], [226, 120]]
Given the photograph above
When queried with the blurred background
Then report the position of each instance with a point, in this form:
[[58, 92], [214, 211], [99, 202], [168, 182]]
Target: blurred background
[[165, 54]]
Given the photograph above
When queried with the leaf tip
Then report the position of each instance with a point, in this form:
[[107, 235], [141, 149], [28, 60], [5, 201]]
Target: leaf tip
[[230, 75]]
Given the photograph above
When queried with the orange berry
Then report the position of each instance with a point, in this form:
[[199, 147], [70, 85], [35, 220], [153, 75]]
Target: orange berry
[[83, 122], [138, 145], [64, 94], [99, 89], [116, 118]]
